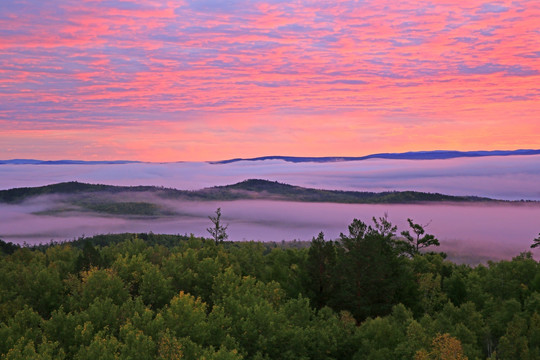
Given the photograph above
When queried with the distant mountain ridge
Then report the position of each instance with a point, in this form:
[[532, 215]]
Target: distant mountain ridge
[[64, 162], [411, 155]]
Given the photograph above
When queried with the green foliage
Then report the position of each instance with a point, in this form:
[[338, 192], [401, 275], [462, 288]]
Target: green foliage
[[419, 240], [369, 275], [90, 257], [7, 248], [148, 296], [155, 289], [320, 266], [139, 208]]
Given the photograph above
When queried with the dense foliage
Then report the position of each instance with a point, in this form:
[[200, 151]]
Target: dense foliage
[[365, 295]]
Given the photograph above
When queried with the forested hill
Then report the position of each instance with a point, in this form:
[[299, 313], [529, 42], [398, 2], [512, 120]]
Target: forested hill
[[276, 190], [248, 189], [67, 188]]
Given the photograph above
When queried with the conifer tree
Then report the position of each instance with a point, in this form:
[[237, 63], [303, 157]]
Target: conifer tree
[[217, 230]]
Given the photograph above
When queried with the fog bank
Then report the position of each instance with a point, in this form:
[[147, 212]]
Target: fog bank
[[502, 177], [468, 232]]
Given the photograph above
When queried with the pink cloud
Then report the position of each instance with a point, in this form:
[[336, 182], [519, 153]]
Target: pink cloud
[[442, 67]]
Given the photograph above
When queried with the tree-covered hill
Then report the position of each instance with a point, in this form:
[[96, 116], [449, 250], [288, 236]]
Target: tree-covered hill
[[67, 188], [248, 189], [272, 189]]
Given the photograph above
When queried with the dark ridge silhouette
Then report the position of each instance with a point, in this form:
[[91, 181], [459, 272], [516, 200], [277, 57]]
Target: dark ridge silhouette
[[248, 189], [412, 155], [64, 162], [277, 190]]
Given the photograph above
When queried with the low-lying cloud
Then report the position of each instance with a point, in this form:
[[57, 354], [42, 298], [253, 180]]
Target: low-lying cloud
[[469, 233], [507, 178]]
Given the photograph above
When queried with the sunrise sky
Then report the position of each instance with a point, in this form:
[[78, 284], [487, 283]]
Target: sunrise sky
[[215, 79]]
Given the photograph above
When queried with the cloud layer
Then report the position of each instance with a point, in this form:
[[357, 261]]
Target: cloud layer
[[485, 232], [498, 177], [212, 79]]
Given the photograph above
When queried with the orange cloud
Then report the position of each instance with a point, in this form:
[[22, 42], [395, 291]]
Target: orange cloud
[[207, 79]]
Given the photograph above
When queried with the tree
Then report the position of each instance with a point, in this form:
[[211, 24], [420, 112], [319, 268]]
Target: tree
[[368, 271], [8, 248], [444, 347], [218, 231], [90, 257], [320, 265], [536, 242], [384, 227], [419, 240]]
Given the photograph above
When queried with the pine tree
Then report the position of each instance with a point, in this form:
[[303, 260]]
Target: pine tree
[[218, 231]]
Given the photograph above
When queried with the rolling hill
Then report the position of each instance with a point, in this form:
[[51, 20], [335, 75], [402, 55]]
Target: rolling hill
[[248, 189]]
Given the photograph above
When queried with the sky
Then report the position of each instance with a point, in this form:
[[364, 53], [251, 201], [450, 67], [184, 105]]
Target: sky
[[216, 79]]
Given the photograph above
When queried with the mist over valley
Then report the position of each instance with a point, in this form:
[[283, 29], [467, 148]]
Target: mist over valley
[[471, 230], [500, 177]]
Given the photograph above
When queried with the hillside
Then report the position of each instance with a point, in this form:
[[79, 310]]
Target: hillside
[[255, 188], [248, 189]]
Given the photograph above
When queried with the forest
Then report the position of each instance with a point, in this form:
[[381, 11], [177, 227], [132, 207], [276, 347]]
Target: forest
[[247, 189], [370, 294]]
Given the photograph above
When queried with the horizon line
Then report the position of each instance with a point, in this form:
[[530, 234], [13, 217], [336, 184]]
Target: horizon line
[[383, 155]]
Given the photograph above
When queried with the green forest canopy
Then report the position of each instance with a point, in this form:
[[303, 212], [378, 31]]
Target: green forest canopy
[[363, 296]]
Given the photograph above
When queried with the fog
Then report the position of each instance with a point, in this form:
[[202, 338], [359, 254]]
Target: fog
[[469, 233], [502, 177]]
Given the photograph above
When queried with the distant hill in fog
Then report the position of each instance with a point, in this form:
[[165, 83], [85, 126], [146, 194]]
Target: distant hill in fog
[[134, 199], [412, 155]]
